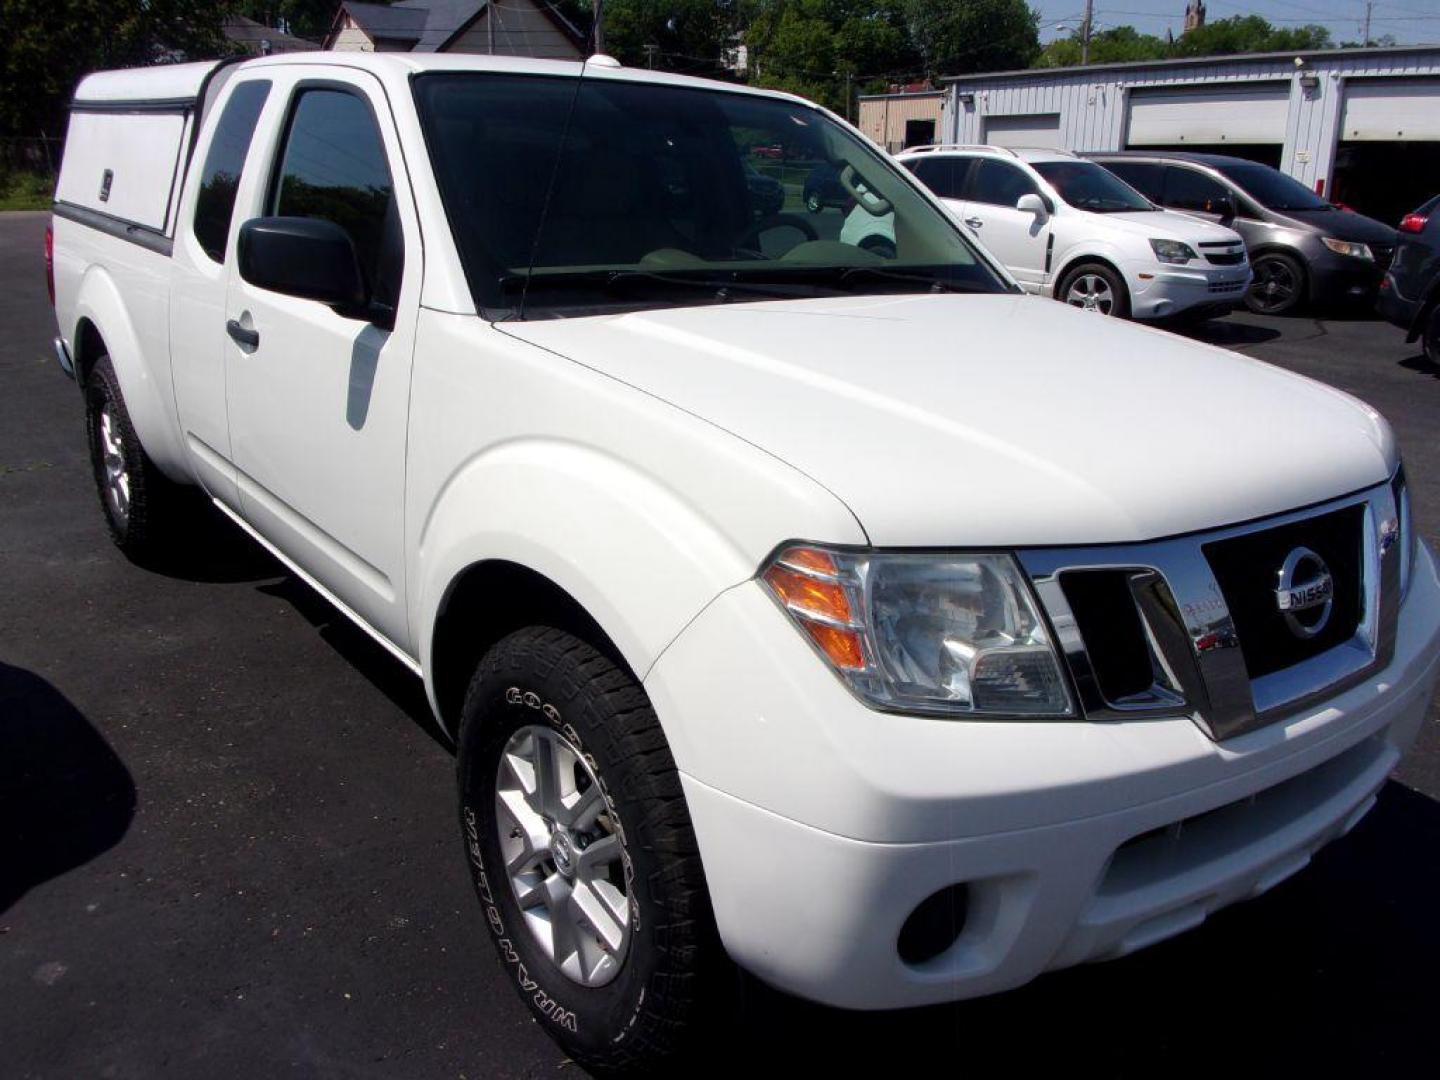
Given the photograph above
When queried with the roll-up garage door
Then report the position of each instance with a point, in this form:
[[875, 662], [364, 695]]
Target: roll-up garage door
[[1391, 110], [1209, 116], [1041, 130]]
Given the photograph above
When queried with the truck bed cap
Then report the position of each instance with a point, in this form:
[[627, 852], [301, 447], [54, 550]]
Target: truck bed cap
[[168, 83]]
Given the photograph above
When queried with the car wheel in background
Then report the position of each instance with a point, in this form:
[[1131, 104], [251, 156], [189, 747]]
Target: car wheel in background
[[813, 202], [878, 245], [1278, 286], [582, 852], [1095, 287], [1430, 336]]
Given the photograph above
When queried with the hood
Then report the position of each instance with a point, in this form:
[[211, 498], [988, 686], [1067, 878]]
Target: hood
[[1165, 225], [1343, 225], [1005, 420]]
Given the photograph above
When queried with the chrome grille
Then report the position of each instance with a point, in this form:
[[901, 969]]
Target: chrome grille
[[1221, 667]]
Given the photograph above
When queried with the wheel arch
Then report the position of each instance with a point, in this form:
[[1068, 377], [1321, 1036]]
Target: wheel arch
[[487, 601], [104, 327], [1072, 262]]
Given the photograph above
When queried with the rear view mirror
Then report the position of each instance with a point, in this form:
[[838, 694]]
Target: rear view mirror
[[1032, 204], [306, 257]]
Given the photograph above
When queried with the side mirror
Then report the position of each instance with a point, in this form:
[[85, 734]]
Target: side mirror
[[1225, 207], [1033, 204], [305, 257]]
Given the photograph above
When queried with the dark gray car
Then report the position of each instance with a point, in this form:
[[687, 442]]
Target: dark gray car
[[1301, 247]]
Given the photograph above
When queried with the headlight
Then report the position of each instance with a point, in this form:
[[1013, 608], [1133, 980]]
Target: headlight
[[1173, 251], [1409, 536], [952, 635], [1346, 247]]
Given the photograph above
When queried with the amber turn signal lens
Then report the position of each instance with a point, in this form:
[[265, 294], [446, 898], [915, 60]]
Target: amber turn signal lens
[[841, 646], [809, 596], [817, 562]]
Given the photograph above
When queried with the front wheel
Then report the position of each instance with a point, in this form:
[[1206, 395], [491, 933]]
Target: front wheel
[[1095, 287], [813, 202], [1278, 286], [582, 852]]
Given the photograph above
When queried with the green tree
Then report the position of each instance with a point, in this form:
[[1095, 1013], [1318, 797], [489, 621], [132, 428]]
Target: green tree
[[959, 37], [675, 35], [1248, 34], [1122, 43], [309, 19], [48, 45]]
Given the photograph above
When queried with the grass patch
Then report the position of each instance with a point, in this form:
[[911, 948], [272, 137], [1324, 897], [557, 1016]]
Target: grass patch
[[26, 191]]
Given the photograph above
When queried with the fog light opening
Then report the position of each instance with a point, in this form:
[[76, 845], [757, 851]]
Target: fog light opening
[[934, 925]]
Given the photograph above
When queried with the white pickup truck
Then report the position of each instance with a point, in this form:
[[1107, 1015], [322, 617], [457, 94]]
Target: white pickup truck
[[850, 613]]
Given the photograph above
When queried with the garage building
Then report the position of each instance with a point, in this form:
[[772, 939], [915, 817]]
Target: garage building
[[1360, 126]]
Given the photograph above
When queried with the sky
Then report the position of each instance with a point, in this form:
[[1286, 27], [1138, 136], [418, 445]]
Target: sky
[[1410, 21]]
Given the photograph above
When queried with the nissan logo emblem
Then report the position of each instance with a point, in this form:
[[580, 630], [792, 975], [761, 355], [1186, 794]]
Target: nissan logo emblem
[[1306, 594]]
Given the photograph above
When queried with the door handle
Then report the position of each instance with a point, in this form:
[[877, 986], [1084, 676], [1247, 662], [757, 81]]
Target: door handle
[[241, 336], [974, 222]]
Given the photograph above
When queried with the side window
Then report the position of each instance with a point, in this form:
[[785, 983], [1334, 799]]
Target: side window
[[1187, 189], [333, 167], [1145, 177], [224, 161], [1000, 183], [945, 176]]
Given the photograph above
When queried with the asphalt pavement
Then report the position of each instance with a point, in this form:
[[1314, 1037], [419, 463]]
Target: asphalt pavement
[[228, 846]]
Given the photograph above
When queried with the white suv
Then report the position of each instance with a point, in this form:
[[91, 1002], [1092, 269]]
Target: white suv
[[1067, 228]]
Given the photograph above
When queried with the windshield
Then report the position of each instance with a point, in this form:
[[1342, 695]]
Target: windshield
[[566, 194], [1272, 188], [1087, 186]]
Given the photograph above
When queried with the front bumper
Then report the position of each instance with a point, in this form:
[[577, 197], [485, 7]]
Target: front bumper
[[1339, 280], [1157, 292], [823, 824]]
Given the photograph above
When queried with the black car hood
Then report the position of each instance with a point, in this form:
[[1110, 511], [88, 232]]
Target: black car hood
[[1344, 225]]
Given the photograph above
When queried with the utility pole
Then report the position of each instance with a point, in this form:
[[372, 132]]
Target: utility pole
[[849, 94], [650, 50], [1369, 7], [1085, 32], [597, 34], [490, 28]]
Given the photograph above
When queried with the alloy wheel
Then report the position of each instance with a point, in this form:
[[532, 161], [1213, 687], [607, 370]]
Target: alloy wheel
[[564, 855], [116, 479], [1275, 285], [1091, 292]]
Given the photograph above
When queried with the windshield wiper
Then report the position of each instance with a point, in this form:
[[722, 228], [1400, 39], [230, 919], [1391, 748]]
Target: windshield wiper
[[935, 284]]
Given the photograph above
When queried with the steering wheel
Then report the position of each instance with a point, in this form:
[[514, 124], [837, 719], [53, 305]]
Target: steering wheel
[[749, 240], [873, 204]]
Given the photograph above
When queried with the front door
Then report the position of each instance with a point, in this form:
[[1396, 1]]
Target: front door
[[1016, 237], [319, 400]]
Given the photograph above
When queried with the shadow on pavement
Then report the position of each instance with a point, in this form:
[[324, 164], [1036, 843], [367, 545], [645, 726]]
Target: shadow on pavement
[[65, 797], [1228, 332], [210, 548], [1421, 364], [1334, 969], [362, 652]]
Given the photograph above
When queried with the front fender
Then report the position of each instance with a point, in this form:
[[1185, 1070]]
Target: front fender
[[633, 551], [144, 374], [1088, 251]]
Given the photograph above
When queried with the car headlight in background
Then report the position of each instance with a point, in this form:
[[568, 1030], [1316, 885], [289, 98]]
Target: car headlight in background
[[1173, 252], [1348, 247], [945, 634]]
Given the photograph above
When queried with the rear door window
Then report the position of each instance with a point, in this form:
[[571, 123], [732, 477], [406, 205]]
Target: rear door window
[[1145, 177], [224, 162], [1190, 189], [945, 176], [999, 183]]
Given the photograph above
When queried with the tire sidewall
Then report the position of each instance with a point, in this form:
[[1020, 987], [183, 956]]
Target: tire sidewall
[[101, 388], [1120, 309], [1296, 270], [590, 1020]]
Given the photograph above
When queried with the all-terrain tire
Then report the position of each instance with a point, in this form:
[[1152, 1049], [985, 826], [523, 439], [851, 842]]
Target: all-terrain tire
[[545, 682], [140, 504]]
